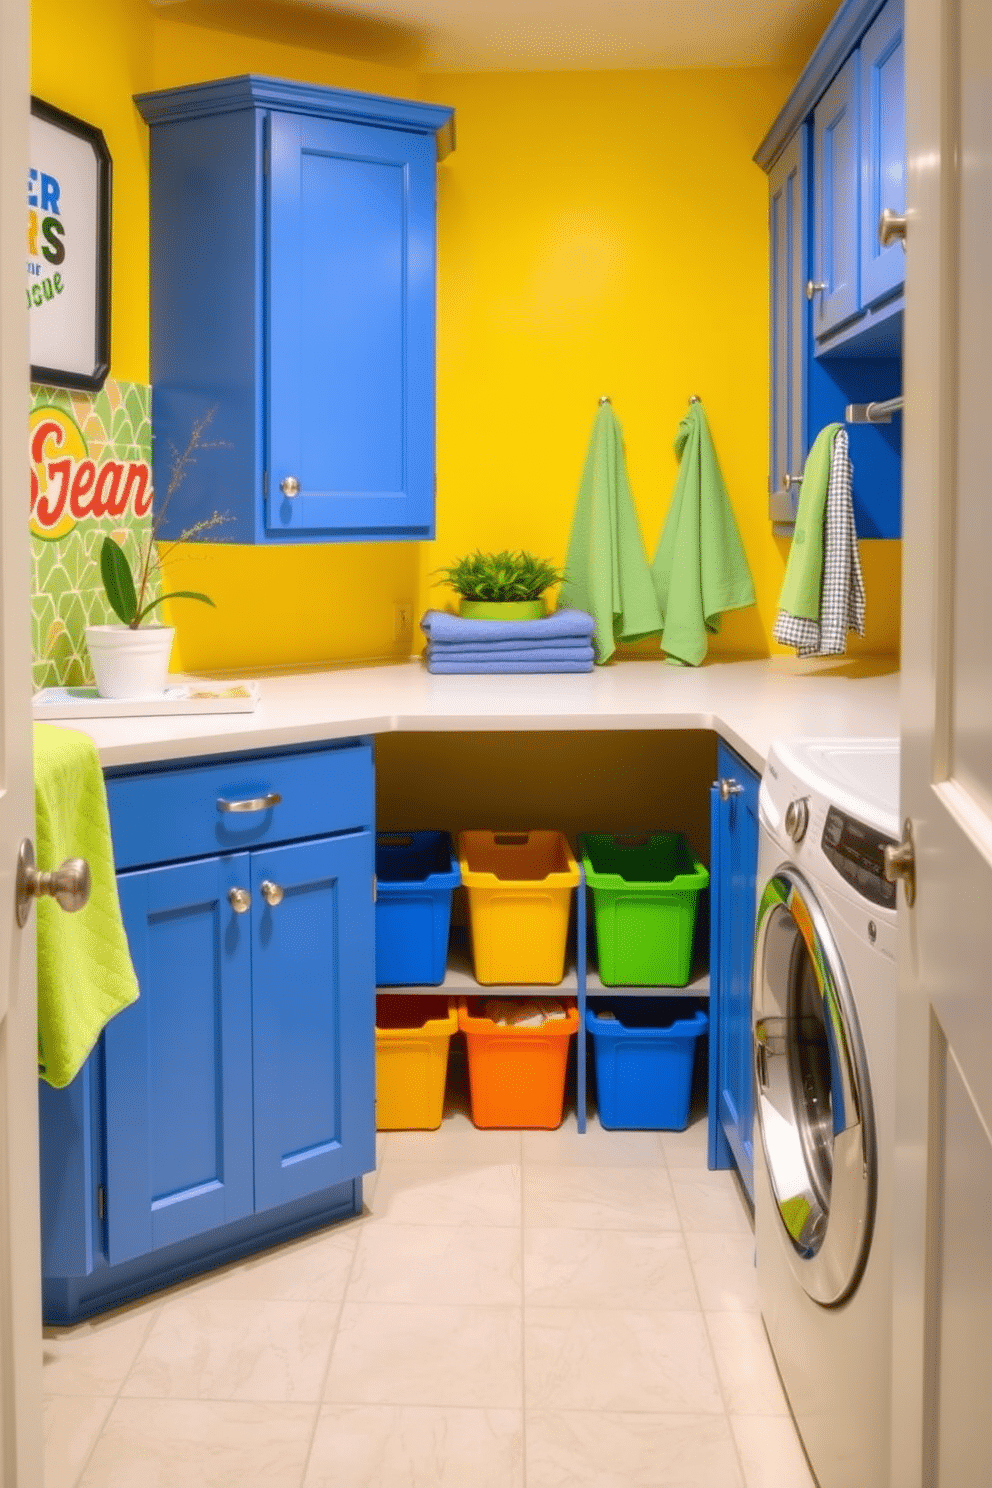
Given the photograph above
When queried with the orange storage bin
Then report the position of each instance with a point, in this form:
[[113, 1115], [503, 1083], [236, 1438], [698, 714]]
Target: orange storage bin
[[516, 1074], [519, 888]]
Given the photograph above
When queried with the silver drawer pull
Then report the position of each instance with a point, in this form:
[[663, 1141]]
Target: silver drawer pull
[[258, 803]]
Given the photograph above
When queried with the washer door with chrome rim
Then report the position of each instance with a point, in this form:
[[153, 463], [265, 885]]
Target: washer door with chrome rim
[[812, 1095]]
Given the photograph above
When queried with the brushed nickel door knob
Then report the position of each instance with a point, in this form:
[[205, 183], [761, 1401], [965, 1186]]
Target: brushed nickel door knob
[[891, 228], [900, 863], [69, 885]]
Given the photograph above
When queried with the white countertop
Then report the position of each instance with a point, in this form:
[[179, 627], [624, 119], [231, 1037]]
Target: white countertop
[[749, 703]]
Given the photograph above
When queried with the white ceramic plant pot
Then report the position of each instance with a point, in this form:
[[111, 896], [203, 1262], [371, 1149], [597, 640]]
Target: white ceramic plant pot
[[130, 663]]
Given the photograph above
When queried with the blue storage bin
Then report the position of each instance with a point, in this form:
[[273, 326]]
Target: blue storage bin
[[416, 875], [644, 1056]]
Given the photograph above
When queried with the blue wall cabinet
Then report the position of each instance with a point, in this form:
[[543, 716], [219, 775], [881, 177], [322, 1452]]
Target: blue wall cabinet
[[837, 149], [734, 864], [293, 291], [788, 219], [883, 151], [233, 1104], [836, 176]]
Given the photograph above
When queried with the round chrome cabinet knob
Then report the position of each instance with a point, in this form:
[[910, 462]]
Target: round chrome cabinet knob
[[797, 818]]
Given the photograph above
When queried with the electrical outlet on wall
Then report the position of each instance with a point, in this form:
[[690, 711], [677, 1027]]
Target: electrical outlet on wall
[[403, 620]]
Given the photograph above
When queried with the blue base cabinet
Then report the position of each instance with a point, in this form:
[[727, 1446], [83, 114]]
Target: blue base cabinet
[[733, 871], [293, 265], [233, 1103]]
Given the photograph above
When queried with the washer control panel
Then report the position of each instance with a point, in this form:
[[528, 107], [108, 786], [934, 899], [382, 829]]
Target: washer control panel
[[858, 853]]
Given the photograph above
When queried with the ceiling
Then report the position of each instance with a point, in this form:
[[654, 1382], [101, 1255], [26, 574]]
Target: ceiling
[[535, 35]]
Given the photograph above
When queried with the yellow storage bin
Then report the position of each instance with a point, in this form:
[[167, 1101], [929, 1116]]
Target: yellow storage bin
[[412, 1038], [519, 888]]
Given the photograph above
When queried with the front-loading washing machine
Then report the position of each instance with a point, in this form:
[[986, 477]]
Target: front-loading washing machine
[[824, 1037]]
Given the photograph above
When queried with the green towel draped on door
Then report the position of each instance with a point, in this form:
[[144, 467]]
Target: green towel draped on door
[[85, 974]]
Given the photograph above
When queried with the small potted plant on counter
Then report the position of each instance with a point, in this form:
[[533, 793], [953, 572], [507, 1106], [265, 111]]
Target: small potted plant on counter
[[131, 660], [501, 586]]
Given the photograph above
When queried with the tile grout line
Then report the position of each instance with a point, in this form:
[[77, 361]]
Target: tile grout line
[[154, 1313], [685, 1232], [334, 1337]]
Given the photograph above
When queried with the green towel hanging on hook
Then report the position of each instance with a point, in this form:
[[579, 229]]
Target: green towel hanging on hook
[[606, 567], [700, 568]]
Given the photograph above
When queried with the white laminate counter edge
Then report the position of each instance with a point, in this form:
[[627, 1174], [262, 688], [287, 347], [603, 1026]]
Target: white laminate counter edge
[[748, 703]]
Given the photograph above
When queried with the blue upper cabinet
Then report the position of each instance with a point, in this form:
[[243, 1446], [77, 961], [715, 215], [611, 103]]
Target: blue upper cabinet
[[836, 152], [883, 154], [835, 159], [789, 244], [293, 255]]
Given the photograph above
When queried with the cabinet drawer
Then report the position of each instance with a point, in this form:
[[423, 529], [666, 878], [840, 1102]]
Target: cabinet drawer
[[161, 816]]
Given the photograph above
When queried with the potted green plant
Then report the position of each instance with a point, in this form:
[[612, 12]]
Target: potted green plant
[[501, 586], [131, 660]]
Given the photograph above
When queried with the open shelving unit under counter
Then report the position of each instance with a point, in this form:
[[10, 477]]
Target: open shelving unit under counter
[[581, 981]]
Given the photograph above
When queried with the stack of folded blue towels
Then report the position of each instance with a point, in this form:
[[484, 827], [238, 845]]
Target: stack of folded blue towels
[[561, 642]]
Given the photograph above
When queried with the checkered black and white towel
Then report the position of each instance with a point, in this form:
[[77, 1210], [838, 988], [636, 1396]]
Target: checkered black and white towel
[[842, 598]]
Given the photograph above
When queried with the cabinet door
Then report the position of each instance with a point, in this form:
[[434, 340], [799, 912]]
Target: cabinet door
[[313, 1015], [178, 1061], [787, 220], [836, 180], [350, 286], [883, 151], [735, 904]]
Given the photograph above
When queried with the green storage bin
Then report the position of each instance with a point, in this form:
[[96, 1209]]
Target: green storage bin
[[645, 896]]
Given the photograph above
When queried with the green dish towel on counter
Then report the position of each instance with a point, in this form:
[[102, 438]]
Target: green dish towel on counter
[[803, 582], [85, 974], [700, 568], [606, 568]]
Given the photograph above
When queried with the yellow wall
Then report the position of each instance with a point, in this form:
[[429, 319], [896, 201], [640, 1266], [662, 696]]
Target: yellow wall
[[601, 234], [598, 233]]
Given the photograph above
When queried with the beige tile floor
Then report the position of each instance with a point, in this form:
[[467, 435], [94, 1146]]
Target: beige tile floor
[[535, 1308]]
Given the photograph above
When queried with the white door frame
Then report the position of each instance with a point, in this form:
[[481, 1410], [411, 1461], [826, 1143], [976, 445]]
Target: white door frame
[[20, 1288], [942, 1294]]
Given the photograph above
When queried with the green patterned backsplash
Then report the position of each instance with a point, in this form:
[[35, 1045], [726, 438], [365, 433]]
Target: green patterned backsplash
[[91, 475]]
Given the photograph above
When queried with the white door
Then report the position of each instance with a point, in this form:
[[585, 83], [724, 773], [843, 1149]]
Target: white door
[[942, 1360], [20, 1305]]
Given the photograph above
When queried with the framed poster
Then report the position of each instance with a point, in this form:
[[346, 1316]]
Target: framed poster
[[68, 242]]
